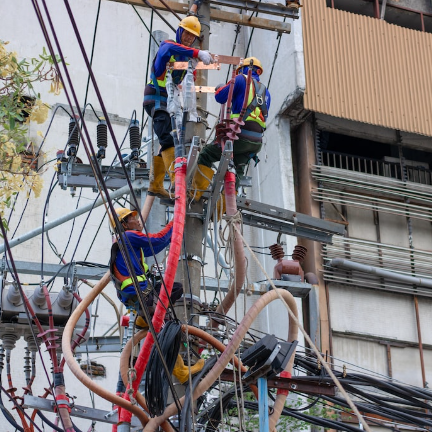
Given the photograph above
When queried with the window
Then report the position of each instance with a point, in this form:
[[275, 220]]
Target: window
[[371, 157]]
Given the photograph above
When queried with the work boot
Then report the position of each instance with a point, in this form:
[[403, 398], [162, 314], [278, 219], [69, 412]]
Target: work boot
[[168, 157], [181, 371], [156, 186], [140, 323], [202, 178]]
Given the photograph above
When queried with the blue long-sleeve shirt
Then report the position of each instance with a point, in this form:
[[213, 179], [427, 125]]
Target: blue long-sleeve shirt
[[239, 90], [135, 241], [167, 49]]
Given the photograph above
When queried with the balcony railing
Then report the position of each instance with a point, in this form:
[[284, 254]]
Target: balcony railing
[[416, 174]]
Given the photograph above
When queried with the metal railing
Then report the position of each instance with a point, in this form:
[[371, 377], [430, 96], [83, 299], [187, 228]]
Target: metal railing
[[416, 174]]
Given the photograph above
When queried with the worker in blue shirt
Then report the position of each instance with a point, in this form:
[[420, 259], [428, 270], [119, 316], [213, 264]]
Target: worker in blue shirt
[[250, 137], [138, 246], [155, 96]]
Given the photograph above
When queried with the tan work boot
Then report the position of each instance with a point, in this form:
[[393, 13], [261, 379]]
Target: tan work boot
[[202, 178], [181, 371], [168, 157], [156, 186]]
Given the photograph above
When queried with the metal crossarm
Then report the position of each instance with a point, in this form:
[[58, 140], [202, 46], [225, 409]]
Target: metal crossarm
[[77, 411], [277, 219]]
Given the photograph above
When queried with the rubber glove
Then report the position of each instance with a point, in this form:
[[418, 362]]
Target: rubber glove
[[205, 57]]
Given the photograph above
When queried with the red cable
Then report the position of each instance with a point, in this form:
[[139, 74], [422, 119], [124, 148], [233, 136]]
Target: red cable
[[172, 263]]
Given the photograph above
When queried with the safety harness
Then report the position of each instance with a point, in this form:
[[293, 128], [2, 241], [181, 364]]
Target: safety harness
[[157, 84], [257, 108]]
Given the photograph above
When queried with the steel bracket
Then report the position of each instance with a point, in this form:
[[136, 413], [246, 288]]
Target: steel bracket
[[218, 181], [76, 411]]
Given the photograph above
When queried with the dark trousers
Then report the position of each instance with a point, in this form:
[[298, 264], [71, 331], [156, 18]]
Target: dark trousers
[[244, 150], [161, 126], [153, 297]]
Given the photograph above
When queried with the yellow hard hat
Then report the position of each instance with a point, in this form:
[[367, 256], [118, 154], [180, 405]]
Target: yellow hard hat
[[255, 62], [191, 24], [122, 213]]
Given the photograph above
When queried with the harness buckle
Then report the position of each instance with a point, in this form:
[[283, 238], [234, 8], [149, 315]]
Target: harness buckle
[[259, 99]]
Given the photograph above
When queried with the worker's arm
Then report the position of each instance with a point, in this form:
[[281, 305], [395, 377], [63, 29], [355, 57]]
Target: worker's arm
[[168, 49], [221, 94], [268, 99], [159, 241]]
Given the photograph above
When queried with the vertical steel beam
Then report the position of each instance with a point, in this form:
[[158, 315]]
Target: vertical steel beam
[[263, 405], [419, 335]]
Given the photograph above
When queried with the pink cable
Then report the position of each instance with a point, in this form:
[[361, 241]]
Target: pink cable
[[172, 263]]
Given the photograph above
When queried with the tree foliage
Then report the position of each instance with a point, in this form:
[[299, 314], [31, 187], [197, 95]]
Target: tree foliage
[[20, 104]]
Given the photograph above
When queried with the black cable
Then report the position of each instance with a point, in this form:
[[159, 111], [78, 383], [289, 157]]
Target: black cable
[[185, 421], [36, 156], [48, 422], [147, 67], [237, 32], [275, 56], [89, 149], [159, 15], [149, 30], [50, 190], [252, 32], [9, 416], [19, 408], [77, 429], [156, 378]]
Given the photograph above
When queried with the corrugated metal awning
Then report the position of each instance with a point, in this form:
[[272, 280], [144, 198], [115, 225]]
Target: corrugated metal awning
[[367, 70]]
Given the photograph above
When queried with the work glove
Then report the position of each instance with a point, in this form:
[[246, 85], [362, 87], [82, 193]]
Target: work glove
[[205, 57]]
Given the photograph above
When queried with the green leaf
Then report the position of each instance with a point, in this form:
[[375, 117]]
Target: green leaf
[[11, 122]]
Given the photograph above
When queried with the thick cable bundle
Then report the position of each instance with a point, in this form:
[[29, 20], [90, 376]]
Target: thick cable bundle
[[156, 380]]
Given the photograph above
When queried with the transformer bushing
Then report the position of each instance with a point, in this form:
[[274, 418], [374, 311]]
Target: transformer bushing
[[9, 341], [14, 295]]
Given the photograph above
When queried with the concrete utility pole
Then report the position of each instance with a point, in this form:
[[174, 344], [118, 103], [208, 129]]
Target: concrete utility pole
[[194, 223]]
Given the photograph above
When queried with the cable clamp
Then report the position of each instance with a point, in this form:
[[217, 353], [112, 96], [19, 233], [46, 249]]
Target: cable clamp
[[65, 403], [285, 392]]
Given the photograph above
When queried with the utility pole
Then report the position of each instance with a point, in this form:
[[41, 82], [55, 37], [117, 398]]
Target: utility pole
[[194, 213]]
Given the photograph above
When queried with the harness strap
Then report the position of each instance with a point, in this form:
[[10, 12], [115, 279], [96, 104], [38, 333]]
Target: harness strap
[[258, 101]]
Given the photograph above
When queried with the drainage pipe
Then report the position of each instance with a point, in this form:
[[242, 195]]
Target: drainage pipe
[[351, 265], [74, 366], [229, 352], [172, 263], [239, 255], [137, 185]]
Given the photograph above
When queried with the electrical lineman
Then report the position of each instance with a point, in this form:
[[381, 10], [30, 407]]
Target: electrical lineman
[[249, 140], [138, 246], [155, 95]]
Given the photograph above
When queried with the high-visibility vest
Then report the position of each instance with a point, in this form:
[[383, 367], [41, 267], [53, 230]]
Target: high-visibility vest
[[256, 105], [121, 282], [162, 82]]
